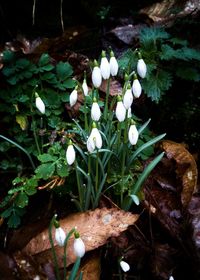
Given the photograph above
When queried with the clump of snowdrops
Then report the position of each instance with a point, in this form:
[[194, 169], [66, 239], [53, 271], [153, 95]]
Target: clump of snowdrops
[[103, 148]]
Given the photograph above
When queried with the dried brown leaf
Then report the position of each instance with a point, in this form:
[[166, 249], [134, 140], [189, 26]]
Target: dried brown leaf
[[91, 269], [115, 87], [95, 227], [186, 168]]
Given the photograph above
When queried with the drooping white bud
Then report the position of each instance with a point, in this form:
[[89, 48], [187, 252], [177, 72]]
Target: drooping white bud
[[73, 97], [85, 87], [124, 266], [96, 75], [39, 104], [79, 246], [60, 236], [128, 98], [113, 64], [133, 134], [95, 111], [136, 87], [104, 66], [141, 68], [171, 278], [129, 114], [90, 145], [96, 136], [120, 110], [70, 154]]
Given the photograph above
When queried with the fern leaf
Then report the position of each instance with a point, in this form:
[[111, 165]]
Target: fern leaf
[[188, 73]]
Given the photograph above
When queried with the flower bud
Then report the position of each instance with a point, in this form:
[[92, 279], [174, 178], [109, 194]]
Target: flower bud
[[133, 134], [96, 75], [128, 98], [136, 87], [39, 104], [70, 154], [113, 64], [79, 247], [141, 68], [124, 266], [73, 97], [105, 66], [60, 236], [95, 111], [85, 87], [120, 111]]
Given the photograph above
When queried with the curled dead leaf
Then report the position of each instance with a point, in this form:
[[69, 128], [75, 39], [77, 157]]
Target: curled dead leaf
[[186, 168], [95, 227]]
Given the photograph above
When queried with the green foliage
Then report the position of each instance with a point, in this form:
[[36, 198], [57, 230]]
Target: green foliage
[[166, 58]]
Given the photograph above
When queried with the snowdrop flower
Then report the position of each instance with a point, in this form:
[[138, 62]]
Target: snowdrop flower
[[136, 87], [133, 134], [141, 67], [129, 113], [95, 111], [120, 110], [113, 64], [73, 97], [94, 140], [39, 103], [60, 236], [105, 66], [128, 98], [85, 87], [70, 153], [124, 266], [171, 278], [96, 75], [79, 246]]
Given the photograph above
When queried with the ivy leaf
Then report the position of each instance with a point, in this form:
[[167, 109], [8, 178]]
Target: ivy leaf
[[45, 171], [46, 158]]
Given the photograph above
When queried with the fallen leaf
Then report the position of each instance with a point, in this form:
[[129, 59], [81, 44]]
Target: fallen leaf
[[186, 168], [95, 227], [92, 268], [115, 87]]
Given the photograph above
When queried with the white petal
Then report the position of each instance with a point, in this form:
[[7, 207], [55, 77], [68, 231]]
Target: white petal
[[141, 68], [96, 136], [90, 145], [60, 236], [135, 199], [136, 88], [113, 66], [129, 115], [96, 77], [105, 68], [128, 99], [171, 278], [40, 105], [85, 88], [133, 134], [120, 111], [79, 247], [124, 266], [70, 155], [95, 112], [73, 97]]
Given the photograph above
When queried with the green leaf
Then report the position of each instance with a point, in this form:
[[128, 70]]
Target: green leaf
[[62, 169], [47, 158], [45, 171], [14, 221], [188, 73], [21, 200], [63, 70], [7, 212]]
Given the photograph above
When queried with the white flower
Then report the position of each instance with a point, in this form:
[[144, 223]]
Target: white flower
[[60, 236], [120, 111], [128, 98], [129, 114], [136, 87], [70, 154], [73, 97], [39, 104], [85, 87], [79, 247], [105, 66], [96, 75], [141, 68], [124, 266], [135, 199], [171, 278], [133, 134], [95, 111], [113, 64], [94, 140]]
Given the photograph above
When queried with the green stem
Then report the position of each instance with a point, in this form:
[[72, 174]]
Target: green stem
[[107, 95], [35, 137], [79, 187], [119, 131], [85, 114], [97, 173], [53, 249], [65, 253]]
